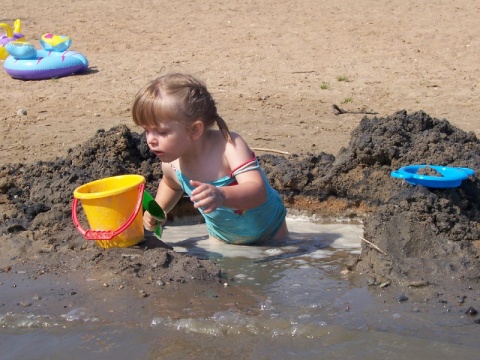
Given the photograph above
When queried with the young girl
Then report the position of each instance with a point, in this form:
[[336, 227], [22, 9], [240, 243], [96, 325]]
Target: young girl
[[215, 168]]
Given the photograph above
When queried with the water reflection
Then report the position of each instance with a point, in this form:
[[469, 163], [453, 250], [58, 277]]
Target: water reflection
[[308, 308], [306, 238]]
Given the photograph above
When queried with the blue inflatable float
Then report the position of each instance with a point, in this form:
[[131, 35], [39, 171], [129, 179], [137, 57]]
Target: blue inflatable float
[[53, 61], [448, 177]]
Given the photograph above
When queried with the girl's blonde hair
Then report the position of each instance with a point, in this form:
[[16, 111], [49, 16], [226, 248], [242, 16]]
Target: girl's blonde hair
[[176, 97]]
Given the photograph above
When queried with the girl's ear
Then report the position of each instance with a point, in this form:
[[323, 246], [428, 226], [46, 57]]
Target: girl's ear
[[197, 129]]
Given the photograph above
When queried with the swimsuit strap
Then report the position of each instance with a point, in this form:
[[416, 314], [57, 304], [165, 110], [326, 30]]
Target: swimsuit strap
[[249, 165]]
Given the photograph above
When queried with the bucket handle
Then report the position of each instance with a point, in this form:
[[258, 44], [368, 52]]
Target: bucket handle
[[106, 234]]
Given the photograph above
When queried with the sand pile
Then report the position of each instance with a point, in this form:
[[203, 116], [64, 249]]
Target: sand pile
[[430, 235], [426, 233]]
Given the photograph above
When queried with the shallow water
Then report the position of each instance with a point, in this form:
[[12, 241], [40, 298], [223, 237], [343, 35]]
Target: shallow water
[[307, 307]]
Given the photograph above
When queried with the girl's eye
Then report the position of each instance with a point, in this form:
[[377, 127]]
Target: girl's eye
[[156, 132]]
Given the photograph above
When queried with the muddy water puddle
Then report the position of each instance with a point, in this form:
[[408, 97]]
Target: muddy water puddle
[[307, 306]]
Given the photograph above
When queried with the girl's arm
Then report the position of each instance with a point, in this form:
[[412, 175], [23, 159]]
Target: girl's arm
[[168, 194], [250, 191], [169, 190]]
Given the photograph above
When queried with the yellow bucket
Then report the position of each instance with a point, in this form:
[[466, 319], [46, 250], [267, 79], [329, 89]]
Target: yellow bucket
[[112, 206]]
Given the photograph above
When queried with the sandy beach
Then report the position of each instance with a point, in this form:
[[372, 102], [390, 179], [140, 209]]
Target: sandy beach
[[275, 68]]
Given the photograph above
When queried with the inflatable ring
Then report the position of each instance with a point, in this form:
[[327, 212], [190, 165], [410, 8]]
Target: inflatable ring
[[449, 177], [27, 63]]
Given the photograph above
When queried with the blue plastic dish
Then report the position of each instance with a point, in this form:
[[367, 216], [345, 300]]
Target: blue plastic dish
[[451, 176]]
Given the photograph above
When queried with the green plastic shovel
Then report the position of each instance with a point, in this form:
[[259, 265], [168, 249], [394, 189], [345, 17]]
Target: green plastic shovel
[[150, 205]]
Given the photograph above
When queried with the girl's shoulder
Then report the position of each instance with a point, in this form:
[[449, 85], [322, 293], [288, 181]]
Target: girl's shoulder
[[237, 152], [168, 169], [220, 144], [169, 176]]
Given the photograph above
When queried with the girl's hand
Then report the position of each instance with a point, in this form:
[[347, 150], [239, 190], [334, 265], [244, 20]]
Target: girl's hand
[[148, 221], [206, 196]]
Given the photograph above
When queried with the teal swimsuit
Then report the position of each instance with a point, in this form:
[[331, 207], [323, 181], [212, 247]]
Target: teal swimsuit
[[236, 226]]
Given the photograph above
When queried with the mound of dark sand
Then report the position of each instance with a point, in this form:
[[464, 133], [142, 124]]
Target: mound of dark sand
[[37, 228], [430, 236], [427, 234]]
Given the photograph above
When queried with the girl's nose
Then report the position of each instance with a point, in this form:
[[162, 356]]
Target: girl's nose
[[151, 139]]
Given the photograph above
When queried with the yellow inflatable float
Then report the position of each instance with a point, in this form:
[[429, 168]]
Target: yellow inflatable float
[[10, 35]]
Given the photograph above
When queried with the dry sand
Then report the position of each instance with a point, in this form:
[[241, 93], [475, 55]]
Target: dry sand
[[275, 67]]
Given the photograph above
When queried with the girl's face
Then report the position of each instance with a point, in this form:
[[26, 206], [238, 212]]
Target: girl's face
[[168, 141]]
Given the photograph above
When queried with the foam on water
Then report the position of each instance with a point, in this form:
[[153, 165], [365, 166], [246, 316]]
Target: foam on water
[[30, 321], [21, 321], [234, 323]]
